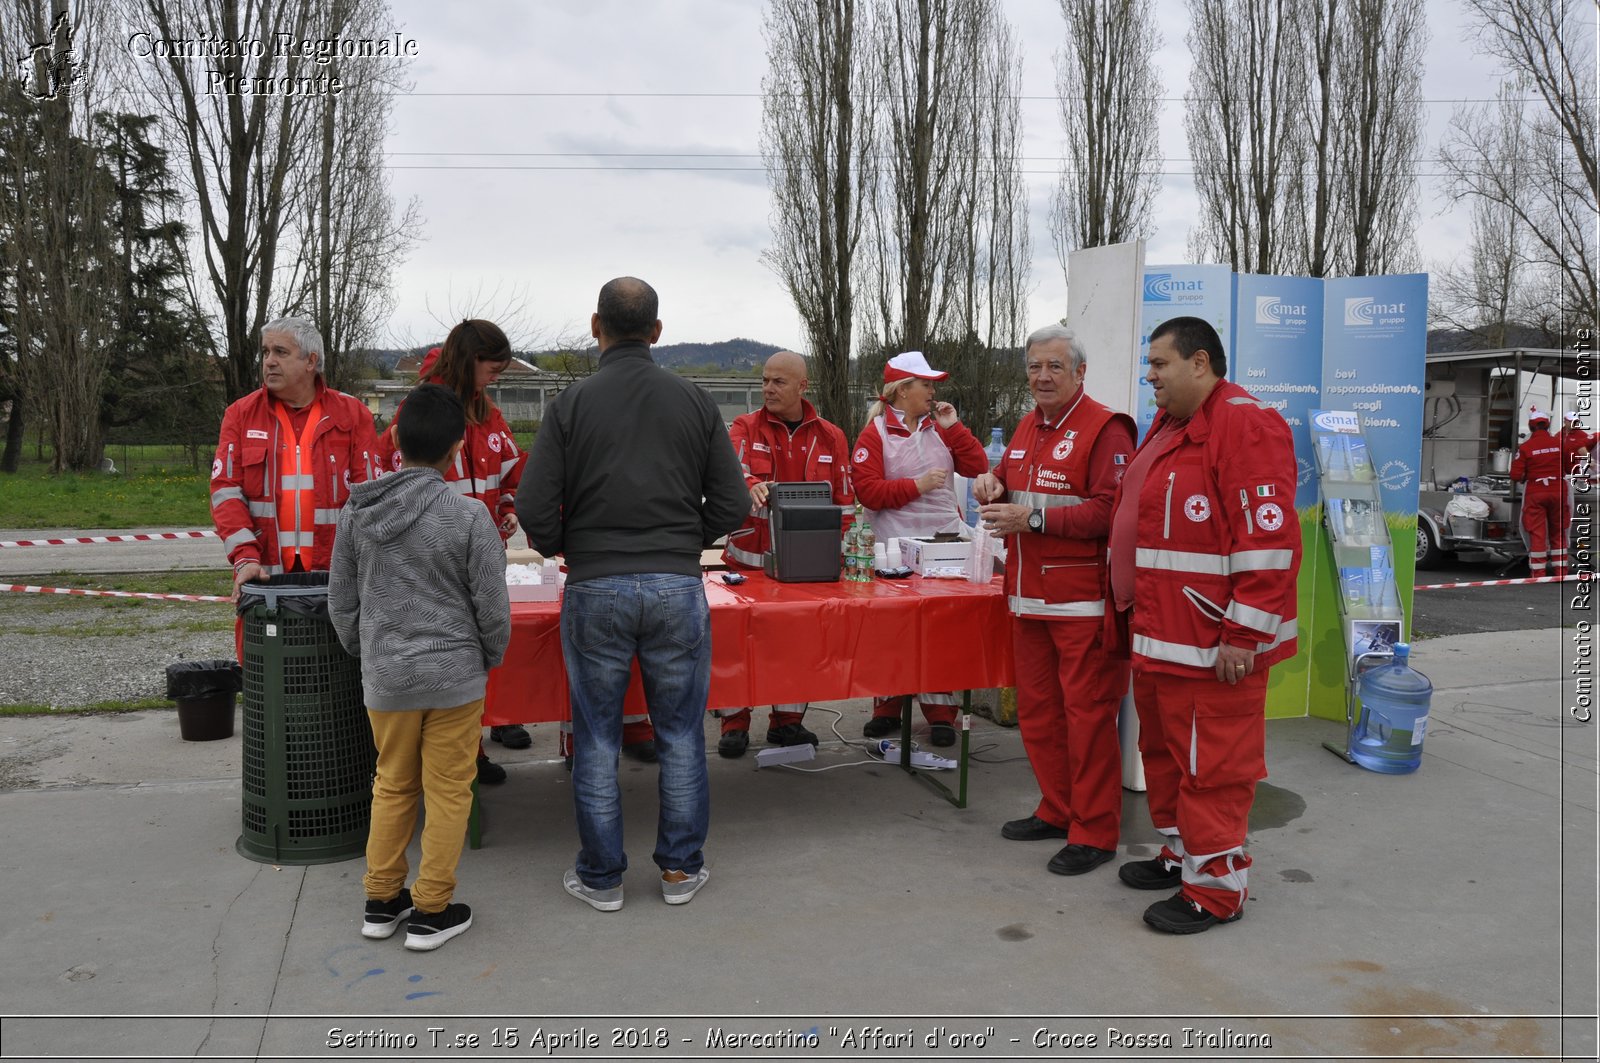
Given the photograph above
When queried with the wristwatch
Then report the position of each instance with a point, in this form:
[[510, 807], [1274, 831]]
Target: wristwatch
[[1036, 520]]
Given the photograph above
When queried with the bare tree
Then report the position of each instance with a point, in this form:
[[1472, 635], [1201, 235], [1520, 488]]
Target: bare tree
[[348, 238], [57, 210], [1547, 50], [1109, 96], [1247, 90], [241, 149], [816, 136], [1380, 130]]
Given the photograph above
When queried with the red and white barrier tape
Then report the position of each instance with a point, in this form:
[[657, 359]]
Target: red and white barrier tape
[[22, 589], [1496, 582], [141, 538]]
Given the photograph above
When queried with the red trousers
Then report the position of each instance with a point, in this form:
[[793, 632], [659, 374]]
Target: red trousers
[[1203, 743], [1068, 693], [1544, 518]]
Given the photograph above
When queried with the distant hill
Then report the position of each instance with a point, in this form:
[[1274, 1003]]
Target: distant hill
[[733, 355], [1450, 341]]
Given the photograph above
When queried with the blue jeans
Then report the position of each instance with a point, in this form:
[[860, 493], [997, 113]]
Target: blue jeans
[[663, 621]]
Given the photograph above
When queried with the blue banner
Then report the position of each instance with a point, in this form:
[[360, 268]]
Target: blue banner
[[1373, 340], [1276, 355], [1179, 291]]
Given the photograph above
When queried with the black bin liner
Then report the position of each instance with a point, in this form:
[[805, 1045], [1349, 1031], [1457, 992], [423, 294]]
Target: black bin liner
[[300, 595], [202, 679]]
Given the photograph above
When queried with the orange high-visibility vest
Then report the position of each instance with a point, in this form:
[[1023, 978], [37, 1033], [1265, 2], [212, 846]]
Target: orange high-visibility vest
[[297, 500]]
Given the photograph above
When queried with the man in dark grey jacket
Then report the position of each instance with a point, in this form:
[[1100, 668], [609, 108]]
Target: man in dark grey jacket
[[631, 477]]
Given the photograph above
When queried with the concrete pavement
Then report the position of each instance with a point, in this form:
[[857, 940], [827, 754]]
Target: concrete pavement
[[1447, 913]]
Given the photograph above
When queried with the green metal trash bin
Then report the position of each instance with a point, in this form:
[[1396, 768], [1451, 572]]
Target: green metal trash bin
[[308, 752]]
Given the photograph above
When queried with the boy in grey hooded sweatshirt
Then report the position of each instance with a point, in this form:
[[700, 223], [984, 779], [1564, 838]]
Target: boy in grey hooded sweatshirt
[[417, 590]]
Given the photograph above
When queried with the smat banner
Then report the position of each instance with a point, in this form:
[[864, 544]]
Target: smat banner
[[1179, 291]]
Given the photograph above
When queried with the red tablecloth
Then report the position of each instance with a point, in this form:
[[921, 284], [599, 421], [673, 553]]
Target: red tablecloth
[[780, 642]]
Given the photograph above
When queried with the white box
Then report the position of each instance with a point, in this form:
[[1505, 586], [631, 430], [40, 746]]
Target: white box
[[541, 591], [922, 554]]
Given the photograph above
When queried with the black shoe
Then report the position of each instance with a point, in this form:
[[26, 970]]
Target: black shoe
[[1150, 875], [942, 734], [490, 773], [512, 736], [1031, 829], [429, 930], [790, 734], [1179, 915], [880, 726], [733, 744], [383, 917], [644, 752], [1077, 859]]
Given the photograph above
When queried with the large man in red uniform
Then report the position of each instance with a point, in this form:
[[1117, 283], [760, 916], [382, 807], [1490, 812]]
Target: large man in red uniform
[[1204, 552], [1058, 478], [785, 440], [286, 458], [1539, 464]]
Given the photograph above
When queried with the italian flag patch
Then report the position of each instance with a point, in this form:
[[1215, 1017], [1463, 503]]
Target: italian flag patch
[[1265, 491]]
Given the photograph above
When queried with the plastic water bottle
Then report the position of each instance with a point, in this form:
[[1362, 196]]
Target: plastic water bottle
[[1394, 716], [995, 451]]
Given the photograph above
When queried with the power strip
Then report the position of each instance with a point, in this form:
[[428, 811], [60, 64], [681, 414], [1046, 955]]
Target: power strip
[[797, 754]]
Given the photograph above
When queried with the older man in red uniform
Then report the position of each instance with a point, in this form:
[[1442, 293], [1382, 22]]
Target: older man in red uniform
[[785, 440], [286, 458], [1204, 553], [1057, 479], [1540, 464]]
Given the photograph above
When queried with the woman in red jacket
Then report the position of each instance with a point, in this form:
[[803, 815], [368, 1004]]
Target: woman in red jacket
[[901, 470], [489, 464]]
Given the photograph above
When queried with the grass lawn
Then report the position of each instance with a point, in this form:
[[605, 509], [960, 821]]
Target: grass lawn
[[156, 496]]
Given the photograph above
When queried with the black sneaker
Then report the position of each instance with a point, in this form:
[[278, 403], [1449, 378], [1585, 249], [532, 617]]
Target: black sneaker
[[383, 917], [1077, 859], [881, 726], [1031, 829], [429, 930], [790, 734], [644, 752], [942, 734], [1152, 874], [512, 736], [733, 744], [1179, 915], [490, 773]]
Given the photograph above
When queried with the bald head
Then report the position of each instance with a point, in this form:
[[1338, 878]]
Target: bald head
[[783, 386], [626, 310]]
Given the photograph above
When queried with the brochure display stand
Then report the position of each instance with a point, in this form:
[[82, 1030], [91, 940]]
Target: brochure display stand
[[1371, 616]]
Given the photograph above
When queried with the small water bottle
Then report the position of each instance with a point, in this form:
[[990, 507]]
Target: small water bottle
[[996, 448], [1394, 716]]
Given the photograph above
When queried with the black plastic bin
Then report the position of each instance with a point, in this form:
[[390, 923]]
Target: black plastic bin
[[204, 692], [308, 752]]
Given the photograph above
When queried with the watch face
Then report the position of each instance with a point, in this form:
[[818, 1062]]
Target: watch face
[[1036, 520]]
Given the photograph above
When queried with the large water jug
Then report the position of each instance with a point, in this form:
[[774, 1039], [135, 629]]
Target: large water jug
[[1394, 716]]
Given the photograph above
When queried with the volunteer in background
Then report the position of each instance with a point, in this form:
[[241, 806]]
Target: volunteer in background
[[785, 440], [901, 472], [1539, 464]]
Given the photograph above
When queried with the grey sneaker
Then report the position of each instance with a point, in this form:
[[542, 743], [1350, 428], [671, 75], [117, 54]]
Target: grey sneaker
[[600, 900], [679, 887]]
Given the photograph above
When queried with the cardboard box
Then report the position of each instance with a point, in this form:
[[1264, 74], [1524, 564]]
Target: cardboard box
[[922, 554], [535, 592]]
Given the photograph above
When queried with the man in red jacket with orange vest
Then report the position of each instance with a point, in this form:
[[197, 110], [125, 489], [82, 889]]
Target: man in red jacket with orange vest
[[286, 458], [785, 440], [1540, 464], [1058, 478], [1204, 554]]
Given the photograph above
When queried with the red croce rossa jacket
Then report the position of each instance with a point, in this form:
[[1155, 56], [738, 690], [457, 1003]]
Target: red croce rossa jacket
[[817, 451]]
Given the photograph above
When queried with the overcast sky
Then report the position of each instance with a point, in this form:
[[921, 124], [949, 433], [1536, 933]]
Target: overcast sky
[[525, 137]]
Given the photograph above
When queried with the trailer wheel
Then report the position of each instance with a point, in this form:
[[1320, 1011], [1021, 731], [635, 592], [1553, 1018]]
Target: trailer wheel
[[1429, 553]]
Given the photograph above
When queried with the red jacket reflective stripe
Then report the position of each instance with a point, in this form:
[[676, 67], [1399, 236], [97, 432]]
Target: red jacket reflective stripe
[[1218, 539], [816, 451], [249, 462], [1063, 468]]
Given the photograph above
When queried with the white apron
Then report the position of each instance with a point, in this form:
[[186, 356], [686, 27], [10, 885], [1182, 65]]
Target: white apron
[[906, 458]]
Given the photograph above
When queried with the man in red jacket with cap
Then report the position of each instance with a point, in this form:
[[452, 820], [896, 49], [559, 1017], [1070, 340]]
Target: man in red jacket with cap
[[1539, 464]]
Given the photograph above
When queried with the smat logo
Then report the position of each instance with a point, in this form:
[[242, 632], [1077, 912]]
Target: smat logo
[[1271, 310], [1159, 287], [1362, 311]]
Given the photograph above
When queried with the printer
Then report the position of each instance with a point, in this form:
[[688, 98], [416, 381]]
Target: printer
[[805, 528]]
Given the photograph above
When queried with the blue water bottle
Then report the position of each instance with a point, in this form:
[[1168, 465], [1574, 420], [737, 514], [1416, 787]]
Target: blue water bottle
[[1394, 716], [995, 451]]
